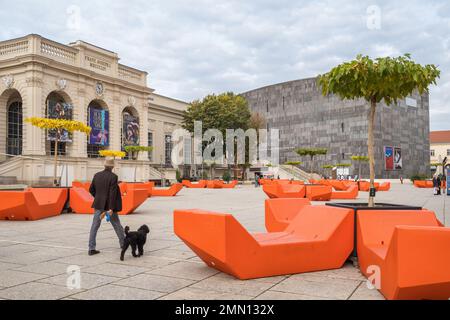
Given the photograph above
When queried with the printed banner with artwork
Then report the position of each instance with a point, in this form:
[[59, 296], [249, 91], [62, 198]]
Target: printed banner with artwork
[[99, 122], [130, 130], [59, 110], [389, 158], [398, 160]]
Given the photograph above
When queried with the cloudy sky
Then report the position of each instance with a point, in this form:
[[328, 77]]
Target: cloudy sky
[[192, 48]]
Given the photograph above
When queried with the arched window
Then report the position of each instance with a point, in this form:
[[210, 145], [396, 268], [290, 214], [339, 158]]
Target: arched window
[[58, 107], [98, 120], [15, 125]]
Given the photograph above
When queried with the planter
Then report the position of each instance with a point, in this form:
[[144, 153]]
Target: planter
[[364, 207]]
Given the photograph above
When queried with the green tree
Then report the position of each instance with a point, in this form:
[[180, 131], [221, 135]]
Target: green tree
[[311, 152], [383, 79], [221, 112], [360, 160], [328, 168]]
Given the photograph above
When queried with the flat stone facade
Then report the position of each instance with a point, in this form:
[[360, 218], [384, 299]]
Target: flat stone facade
[[307, 119]]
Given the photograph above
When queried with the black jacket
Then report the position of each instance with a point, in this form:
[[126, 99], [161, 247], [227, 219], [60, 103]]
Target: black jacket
[[106, 192]]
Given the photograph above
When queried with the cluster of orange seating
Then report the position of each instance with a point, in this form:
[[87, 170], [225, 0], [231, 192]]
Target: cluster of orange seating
[[404, 253], [210, 184], [199, 185], [32, 203], [172, 191], [423, 183], [315, 238], [133, 195]]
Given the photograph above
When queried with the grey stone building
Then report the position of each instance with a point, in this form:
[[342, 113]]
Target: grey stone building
[[307, 119]]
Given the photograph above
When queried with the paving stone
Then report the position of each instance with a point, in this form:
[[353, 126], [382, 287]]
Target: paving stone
[[277, 295], [147, 261], [174, 254], [191, 293], [48, 268], [320, 286], [364, 293], [85, 260], [186, 270], [115, 270], [88, 280], [36, 291], [6, 266], [248, 288], [114, 292], [10, 278], [155, 283]]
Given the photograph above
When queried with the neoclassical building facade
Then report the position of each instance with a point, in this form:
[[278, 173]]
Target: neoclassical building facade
[[79, 81]]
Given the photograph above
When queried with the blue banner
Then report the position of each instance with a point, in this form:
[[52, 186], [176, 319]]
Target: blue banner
[[99, 122]]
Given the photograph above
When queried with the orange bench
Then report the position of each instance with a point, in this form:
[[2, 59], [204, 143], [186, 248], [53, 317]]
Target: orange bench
[[284, 191], [133, 195], [230, 185], [319, 192], [319, 238], [409, 249], [351, 193], [85, 185], [423, 183], [385, 186], [167, 192], [279, 213], [149, 185], [338, 185], [365, 186], [32, 203], [200, 185]]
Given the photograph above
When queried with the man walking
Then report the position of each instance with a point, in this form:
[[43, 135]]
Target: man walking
[[107, 199]]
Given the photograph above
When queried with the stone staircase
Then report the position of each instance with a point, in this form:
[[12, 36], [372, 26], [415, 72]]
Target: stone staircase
[[298, 173]]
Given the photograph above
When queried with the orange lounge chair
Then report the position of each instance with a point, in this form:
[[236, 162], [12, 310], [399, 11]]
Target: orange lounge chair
[[285, 191], [200, 185], [32, 204], [423, 183], [133, 195], [213, 184], [167, 192], [149, 185], [407, 250], [319, 193], [279, 213], [319, 238], [385, 186], [230, 185], [365, 186], [351, 193], [338, 185], [85, 185]]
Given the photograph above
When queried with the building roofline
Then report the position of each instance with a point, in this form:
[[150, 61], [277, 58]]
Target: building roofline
[[281, 83], [173, 99]]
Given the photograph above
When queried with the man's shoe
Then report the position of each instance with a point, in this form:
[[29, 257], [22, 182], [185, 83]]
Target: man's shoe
[[93, 252]]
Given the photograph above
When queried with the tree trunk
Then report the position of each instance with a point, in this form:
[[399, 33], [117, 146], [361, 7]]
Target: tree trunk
[[312, 166], [359, 170], [373, 105], [55, 168]]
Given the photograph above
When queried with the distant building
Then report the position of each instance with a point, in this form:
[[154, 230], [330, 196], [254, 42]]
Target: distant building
[[307, 119], [439, 148], [80, 81]]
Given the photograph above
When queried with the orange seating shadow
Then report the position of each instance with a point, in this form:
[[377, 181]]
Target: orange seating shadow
[[279, 213], [200, 185], [423, 184], [133, 195], [284, 191], [351, 193], [409, 252], [317, 239], [167, 192], [319, 192], [32, 204]]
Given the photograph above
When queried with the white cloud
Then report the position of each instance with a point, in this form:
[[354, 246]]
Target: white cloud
[[192, 48]]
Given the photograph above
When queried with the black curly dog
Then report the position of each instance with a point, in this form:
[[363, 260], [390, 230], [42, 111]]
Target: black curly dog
[[135, 239]]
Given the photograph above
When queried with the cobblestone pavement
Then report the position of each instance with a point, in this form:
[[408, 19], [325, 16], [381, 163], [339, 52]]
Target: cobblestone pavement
[[35, 256]]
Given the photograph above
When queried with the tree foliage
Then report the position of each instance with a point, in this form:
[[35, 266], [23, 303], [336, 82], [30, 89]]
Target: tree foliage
[[360, 158], [389, 79], [311, 151], [112, 154], [221, 112]]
